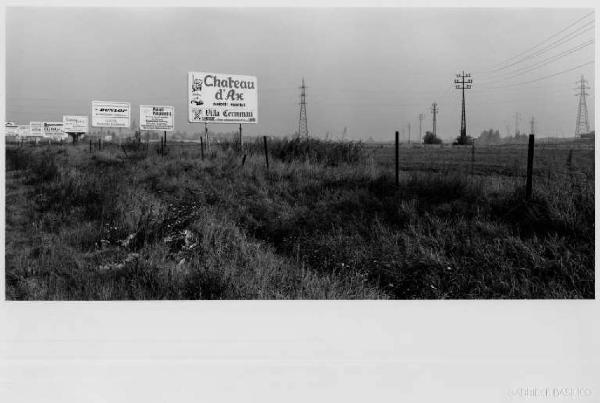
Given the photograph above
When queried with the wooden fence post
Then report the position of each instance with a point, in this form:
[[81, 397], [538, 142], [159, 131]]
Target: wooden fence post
[[165, 143], [472, 156], [266, 151], [202, 148], [529, 185], [397, 159], [90, 146]]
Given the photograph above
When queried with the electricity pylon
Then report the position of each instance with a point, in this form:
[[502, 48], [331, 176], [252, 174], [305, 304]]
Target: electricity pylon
[[303, 123], [582, 126]]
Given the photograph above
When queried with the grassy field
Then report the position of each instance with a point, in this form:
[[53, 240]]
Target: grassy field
[[332, 225]]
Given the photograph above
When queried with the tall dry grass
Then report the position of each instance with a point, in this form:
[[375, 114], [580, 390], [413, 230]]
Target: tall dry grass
[[104, 226]]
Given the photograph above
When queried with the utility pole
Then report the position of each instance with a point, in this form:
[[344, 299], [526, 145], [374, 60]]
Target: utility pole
[[434, 110], [462, 84], [582, 126], [420, 128], [303, 123], [532, 123]]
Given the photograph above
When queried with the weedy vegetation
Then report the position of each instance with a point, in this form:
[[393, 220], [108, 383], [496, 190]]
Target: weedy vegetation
[[325, 221]]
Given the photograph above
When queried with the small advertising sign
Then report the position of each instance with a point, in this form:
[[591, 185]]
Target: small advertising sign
[[157, 117], [75, 124], [111, 114]]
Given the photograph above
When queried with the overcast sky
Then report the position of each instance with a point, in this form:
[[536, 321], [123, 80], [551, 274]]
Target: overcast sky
[[371, 70]]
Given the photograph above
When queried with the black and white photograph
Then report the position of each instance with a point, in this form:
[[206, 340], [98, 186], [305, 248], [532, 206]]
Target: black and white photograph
[[298, 201], [310, 153]]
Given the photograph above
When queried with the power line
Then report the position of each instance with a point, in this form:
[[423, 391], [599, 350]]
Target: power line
[[543, 78], [545, 40], [552, 46], [553, 58], [541, 63]]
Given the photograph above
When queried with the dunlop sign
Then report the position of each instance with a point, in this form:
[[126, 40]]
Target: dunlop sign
[[157, 117], [75, 124], [222, 98], [35, 129], [111, 114]]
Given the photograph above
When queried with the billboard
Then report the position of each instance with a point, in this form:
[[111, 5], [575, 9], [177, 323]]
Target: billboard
[[111, 114], [23, 130], [157, 117], [36, 129], [11, 129], [75, 124], [222, 98], [53, 130]]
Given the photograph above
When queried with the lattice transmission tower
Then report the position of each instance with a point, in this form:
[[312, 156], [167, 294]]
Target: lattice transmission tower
[[582, 126], [303, 123]]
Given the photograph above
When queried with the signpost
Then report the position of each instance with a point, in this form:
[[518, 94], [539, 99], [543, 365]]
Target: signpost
[[111, 114], [23, 131], [12, 130], [53, 130], [36, 129], [157, 117], [75, 124], [222, 98]]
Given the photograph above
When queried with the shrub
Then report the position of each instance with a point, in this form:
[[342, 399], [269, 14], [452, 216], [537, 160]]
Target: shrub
[[17, 159], [319, 151], [431, 138], [43, 169]]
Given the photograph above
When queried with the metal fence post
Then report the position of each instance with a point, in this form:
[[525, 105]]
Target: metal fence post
[[529, 185]]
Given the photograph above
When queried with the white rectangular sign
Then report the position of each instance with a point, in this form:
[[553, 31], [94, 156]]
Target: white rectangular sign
[[111, 114], [23, 130], [75, 124], [157, 117], [222, 98], [53, 129], [12, 130], [36, 129]]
